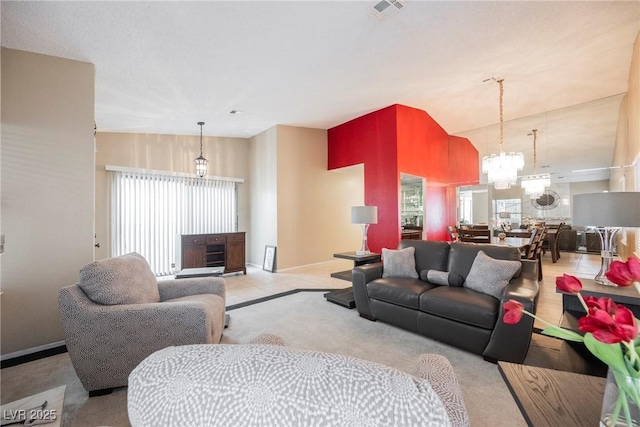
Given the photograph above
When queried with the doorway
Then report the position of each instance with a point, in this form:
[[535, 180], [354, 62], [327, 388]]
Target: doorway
[[412, 206]]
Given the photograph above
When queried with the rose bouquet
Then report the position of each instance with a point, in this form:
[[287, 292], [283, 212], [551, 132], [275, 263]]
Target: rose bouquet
[[610, 334]]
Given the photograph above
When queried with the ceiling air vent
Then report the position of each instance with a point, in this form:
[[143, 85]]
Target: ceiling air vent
[[386, 8]]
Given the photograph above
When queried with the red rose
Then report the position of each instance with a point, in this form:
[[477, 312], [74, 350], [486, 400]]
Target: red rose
[[568, 284], [608, 322], [512, 312], [624, 273]]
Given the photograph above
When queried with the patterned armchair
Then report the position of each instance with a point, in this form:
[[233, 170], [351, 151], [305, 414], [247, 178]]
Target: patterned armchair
[[118, 314]]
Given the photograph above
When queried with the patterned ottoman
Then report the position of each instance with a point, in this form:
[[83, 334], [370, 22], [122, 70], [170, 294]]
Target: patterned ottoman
[[266, 385]]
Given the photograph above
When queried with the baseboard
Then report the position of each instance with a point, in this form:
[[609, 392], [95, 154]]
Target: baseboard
[[31, 354]]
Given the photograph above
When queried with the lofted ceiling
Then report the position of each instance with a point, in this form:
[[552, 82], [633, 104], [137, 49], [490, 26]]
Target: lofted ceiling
[[160, 67]]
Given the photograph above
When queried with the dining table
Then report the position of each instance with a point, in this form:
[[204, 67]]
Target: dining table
[[516, 242]]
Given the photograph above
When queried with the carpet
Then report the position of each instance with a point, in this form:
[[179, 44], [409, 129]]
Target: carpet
[[307, 321]]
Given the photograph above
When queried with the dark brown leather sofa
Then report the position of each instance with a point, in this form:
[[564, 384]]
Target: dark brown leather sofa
[[458, 316]]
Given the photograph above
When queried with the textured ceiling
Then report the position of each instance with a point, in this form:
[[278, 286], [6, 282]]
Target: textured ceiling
[[163, 66]]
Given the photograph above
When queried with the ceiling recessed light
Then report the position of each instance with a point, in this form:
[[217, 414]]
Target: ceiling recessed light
[[236, 112]]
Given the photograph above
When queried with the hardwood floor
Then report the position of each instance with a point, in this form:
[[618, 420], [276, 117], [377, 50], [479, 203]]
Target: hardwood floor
[[581, 265]]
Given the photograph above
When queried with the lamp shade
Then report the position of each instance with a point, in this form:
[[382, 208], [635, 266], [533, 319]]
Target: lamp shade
[[364, 215], [615, 209]]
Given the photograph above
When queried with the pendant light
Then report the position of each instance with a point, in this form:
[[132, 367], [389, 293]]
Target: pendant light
[[201, 162], [534, 185], [502, 169]]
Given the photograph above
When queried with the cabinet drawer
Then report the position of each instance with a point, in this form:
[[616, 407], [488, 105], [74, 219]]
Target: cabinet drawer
[[196, 239], [215, 238], [236, 237]]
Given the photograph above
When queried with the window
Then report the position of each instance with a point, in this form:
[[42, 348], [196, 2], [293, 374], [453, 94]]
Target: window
[[507, 211], [150, 209]]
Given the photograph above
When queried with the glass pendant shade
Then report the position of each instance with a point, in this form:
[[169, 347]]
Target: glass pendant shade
[[201, 162], [502, 169], [535, 185], [201, 166]]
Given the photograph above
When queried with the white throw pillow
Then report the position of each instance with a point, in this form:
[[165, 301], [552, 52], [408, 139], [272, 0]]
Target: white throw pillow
[[400, 263], [489, 275]]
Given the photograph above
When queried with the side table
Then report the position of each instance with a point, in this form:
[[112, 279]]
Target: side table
[[627, 296], [344, 297], [547, 397], [357, 260]]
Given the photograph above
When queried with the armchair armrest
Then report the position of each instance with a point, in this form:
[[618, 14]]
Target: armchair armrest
[[511, 342], [360, 276], [176, 288], [99, 337]]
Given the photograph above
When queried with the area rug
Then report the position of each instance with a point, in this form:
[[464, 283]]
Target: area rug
[[305, 320]]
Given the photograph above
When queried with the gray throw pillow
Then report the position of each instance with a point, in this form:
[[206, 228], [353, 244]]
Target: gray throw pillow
[[489, 275], [400, 263], [125, 279], [444, 278]]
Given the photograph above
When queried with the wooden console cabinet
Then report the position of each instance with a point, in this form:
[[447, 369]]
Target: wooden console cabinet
[[213, 250]]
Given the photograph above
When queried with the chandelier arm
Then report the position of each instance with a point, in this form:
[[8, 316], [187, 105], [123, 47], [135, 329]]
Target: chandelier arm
[[535, 171], [501, 116]]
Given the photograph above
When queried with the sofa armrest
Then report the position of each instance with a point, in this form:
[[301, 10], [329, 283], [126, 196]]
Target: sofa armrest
[[360, 276], [177, 288], [511, 342]]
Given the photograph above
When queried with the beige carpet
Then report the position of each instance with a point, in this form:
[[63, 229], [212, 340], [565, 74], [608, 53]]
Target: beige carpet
[[307, 321], [304, 320]]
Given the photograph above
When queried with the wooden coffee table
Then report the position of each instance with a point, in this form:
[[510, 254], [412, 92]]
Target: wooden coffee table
[[547, 397]]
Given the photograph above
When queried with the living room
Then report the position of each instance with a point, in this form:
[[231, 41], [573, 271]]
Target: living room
[[55, 194]]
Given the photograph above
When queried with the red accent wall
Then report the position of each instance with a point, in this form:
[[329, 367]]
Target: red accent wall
[[400, 139]]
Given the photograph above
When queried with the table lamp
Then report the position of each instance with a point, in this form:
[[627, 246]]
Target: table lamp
[[608, 212], [364, 215]]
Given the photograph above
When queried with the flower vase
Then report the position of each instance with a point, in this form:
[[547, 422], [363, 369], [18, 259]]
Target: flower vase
[[621, 401]]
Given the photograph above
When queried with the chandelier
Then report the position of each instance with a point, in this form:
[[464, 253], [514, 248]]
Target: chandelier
[[502, 169], [201, 162], [534, 185]]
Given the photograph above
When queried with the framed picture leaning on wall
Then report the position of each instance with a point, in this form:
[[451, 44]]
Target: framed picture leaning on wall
[[269, 262]]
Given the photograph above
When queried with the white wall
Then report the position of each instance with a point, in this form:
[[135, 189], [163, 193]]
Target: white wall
[[47, 191]]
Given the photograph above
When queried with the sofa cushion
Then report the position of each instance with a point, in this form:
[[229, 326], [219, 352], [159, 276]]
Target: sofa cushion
[[125, 279], [461, 305], [462, 255], [399, 263], [443, 278], [490, 276], [399, 291], [430, 255]]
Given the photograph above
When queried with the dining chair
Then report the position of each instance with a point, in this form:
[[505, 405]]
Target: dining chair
[[453, 233], [530, 247]]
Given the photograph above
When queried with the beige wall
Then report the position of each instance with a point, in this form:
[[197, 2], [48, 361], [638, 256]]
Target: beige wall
[[298, 205], [627, 148], [264, 195], [314, 204], [228, 157], [47, 192]]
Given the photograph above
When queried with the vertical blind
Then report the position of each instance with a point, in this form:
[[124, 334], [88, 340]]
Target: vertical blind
[[149, 211]]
